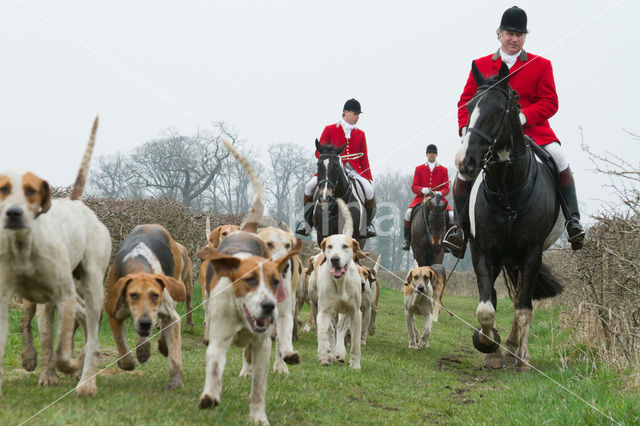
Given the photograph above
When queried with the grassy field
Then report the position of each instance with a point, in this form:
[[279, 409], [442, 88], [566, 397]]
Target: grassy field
[[441, 384]]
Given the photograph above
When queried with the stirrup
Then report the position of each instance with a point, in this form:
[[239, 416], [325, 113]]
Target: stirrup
[[371, 231], [454, 241], [577, 239], [405, 245]]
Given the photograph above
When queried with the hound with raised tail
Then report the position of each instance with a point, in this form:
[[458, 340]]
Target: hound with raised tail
[[245, 286], [214, 239], [54, 252], [145, 284], [339, 292], [419, 300]]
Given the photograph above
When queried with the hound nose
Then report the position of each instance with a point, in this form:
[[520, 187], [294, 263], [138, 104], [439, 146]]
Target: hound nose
[[421, 289], [145, 324], [267, 307], [335, 261], [14, 213]]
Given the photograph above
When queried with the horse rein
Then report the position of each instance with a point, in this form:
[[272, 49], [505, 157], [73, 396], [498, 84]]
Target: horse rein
[[331, 184]]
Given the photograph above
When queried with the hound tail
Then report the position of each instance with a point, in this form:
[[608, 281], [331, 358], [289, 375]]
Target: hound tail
[[348, 221], [81, 179], [207, 227], [377, 265], [251, 221]]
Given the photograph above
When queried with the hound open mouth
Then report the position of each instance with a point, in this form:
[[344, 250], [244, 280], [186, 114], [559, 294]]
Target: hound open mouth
[[338, 272], [258, 325]]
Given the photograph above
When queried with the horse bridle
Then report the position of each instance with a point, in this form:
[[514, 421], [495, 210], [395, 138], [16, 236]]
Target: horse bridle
[[331, 184], [492, 141]]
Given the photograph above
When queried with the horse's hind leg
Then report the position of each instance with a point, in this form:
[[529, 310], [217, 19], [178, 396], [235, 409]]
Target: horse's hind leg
[[523, 313]]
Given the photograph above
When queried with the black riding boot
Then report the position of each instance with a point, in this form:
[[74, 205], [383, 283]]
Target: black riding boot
[[455, 239], [304, 226], [567, 188], [369, 207], [406, 245]]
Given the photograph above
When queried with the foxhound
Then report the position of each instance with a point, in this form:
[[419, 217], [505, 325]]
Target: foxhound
[[245, 286], [146, 282], [419, 299], [54, 252], [279, 243], [214, 238], [339, 292]]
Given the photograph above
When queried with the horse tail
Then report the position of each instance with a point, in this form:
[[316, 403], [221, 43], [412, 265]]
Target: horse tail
[[546, 285], [251, 221], [346, 214], [207, 227], [81, 178]]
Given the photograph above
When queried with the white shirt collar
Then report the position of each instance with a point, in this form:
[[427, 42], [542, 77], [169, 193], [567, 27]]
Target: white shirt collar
[[431, 165], [509, 59], [347, 128]]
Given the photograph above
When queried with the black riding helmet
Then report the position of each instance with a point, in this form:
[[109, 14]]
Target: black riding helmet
[[514, 19], [432, 148], [352, 105]]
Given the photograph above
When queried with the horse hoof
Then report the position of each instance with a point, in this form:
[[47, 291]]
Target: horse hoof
[[494, 361], [486, 349]]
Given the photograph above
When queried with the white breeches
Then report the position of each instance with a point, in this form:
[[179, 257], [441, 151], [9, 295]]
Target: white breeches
[[552, 148], [366, 185], [407, 215], [555, 150]]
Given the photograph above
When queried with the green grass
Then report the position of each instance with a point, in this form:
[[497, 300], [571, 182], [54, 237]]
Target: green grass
[[444, 383]]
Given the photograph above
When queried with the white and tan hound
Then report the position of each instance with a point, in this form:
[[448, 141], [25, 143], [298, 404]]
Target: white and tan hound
[[245, 286], [54, 252], [145, 283], [420, 299], [339, 292]]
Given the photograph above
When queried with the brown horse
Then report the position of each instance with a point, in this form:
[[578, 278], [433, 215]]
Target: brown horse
[[428, 226]]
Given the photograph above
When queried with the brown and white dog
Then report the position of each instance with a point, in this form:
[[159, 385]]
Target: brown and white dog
[[54, 252], [420, 299], [339, 292], [280, 243], [245, 286], [214, 239], [146, 282]]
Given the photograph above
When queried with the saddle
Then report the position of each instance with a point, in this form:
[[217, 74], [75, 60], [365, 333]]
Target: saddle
[[544, 157]]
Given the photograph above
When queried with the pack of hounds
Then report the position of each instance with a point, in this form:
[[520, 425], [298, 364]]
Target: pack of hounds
[[55, 253]]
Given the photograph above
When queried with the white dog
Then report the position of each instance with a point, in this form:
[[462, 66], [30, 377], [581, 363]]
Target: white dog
[[339, 291], [54, 252]]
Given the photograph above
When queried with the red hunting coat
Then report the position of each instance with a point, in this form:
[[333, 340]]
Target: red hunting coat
[[425, 178], [532, 77], [334, 135]]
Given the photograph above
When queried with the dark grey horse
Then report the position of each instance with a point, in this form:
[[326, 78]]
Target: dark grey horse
[[427, 230], [514, 215], [333, 183]]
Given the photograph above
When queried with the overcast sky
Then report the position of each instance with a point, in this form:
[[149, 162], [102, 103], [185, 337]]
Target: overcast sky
[[279, 71]]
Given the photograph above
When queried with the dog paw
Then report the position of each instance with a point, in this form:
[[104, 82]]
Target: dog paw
[[340, 358], [326, 361], [260, 419], [47, 379], [205, 341], [127, 363], [69, 366], [207, 401], [143, 352], [88, 388], [245, 371], [292, 358], [280, 367], [29, 360], [354, 364], [372, 331], [173, 384]]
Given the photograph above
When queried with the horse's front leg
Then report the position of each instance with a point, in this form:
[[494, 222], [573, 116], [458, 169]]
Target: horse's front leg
[[523, 312], [487, 339]]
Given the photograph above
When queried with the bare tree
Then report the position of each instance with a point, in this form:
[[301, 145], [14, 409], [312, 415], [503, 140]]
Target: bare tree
[[113, 177], [292, 166]]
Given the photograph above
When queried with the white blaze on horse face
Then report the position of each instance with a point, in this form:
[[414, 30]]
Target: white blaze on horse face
[[472, 203], [462, 152], [326, 168]]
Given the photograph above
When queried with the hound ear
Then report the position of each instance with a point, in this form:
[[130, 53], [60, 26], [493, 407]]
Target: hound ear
[[206, 253], [115, 293], [214, 237], [174, 287], [477, 75], [318, 144], [225, 265], [45, 195], [323, 244], [503, 76], [283, 261], [356, 246], [407, 280]]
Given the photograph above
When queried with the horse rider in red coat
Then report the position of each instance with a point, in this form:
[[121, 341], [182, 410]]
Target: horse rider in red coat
[[357, 167], [532, 77], [429, 178]]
